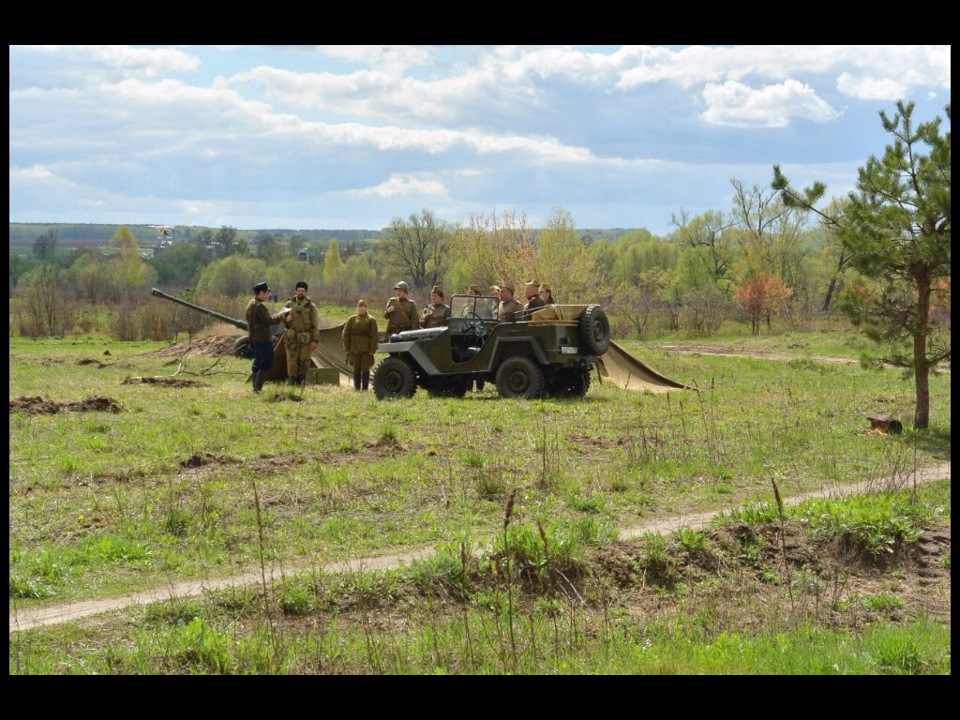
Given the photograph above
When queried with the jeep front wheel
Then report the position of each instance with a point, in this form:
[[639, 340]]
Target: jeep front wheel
[[519, 377], [393, 378]]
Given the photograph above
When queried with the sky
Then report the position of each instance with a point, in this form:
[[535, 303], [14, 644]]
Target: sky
[[356, 136]]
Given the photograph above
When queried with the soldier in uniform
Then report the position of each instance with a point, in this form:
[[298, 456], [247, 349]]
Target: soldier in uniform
[[437, 313], [302, 334], [401, 312], [477, 290], [531, 291], [546, 293], [259, 321], [360, 342], [509, 306], [495, 303]]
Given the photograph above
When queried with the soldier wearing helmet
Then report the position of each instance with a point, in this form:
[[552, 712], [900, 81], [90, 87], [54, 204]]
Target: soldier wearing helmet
[[401, 312]]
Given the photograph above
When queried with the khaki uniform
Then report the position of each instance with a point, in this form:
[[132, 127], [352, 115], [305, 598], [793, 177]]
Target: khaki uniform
[[534, 302], [435, 315], [360, 341], [303, 326], [508, 308], [405, 317]]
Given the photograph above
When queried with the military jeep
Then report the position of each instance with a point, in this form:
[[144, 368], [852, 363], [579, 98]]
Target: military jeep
[[548, 351]]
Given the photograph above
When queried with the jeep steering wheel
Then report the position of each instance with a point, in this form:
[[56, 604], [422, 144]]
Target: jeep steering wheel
[[474, 324]]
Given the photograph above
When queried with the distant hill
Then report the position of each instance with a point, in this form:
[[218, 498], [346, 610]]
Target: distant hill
[[70, 235], [94, 234]]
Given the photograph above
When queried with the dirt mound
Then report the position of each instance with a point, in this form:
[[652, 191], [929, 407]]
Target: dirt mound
[[214, 346], [40, 406]]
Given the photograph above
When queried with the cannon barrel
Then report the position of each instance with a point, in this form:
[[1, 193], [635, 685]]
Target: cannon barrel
[[242, 324]]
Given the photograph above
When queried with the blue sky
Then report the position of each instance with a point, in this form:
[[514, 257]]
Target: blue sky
[[352, 137]]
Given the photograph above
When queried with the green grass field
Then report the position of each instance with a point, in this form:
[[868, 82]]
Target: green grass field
[[207, 479]]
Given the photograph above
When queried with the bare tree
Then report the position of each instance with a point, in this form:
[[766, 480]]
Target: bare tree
[[45, 246], [707, 231], [418, 248]]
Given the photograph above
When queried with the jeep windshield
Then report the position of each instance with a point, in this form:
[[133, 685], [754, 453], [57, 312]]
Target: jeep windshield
[[474, 306]]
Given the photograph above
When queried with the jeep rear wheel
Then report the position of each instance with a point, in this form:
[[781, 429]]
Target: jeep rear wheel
[[393, 378], [519, 377], [594, 329]]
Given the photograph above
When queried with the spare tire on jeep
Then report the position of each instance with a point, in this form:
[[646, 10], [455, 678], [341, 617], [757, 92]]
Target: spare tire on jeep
[[594, 329]]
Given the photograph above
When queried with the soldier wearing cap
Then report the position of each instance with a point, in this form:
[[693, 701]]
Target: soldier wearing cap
[[360, 342], [475, 290], [508, 308], [437, 313], [401, 312], [534, 301], [495, 292], [259, 321], [546, 293], [302, 334]]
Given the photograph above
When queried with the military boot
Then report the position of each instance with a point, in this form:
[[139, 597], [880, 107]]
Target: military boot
[[356, 379], [258, 378], [365, 379]]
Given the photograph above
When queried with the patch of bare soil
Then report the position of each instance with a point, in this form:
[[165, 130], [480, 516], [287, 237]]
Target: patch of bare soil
[[745, 575], [165, 381], [41, 406], [100, 365]]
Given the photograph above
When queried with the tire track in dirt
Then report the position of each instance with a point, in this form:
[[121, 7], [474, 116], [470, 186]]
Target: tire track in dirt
[[27, 618]]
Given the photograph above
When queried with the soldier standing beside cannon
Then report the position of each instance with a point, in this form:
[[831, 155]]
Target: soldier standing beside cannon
[[360, 342], [259, 323], [302, 334]]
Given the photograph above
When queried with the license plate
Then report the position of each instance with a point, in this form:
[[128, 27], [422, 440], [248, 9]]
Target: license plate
[[567, 350]]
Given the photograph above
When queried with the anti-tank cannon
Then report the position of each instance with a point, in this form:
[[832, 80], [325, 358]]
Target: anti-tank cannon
[[242, 347]]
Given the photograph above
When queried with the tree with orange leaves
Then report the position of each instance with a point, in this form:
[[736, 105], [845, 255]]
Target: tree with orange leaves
[[761, 296]]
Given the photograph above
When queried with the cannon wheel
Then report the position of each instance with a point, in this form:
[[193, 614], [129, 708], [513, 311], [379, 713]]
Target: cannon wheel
[[242, 348]]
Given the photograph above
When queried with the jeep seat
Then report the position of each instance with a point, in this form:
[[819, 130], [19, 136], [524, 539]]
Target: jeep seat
[[469, 354]]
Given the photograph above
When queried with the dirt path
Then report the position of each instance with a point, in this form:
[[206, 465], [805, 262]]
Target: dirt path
[[24, 619], [725, 351]]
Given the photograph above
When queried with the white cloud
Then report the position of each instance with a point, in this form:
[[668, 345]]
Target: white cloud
[[404, 185], [871, 88], [737, 105]]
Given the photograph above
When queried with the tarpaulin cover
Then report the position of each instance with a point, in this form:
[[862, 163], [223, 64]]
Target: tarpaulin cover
[[626, 372]]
